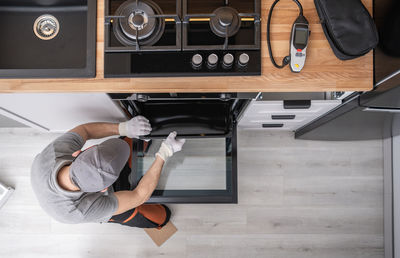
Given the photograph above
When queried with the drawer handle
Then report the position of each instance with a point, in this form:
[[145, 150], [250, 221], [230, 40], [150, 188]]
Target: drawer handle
[[297, 104], [283, 117], [272, 125]]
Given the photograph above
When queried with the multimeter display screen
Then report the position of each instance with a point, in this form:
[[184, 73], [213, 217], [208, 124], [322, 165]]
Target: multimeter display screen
[[300, 37]]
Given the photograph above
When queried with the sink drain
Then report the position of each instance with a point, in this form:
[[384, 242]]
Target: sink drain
[[46, 27]]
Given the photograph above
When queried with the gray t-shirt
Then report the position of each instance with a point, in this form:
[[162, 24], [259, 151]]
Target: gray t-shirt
[[62, 205]]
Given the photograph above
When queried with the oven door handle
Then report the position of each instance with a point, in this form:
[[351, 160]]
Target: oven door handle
[[144, 97], [175, 96]]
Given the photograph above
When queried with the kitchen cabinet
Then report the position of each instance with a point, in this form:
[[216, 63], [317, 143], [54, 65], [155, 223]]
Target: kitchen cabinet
[[60, 112], [289, 114]]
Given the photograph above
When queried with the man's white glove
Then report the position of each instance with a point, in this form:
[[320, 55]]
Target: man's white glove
[[169, 146], [137, 126]]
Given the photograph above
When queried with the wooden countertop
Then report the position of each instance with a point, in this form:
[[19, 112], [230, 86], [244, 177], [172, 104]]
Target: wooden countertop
[[323, 71]]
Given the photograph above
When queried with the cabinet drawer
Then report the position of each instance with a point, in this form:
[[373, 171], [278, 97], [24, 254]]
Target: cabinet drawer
[[265, 115], [288, 126], [276, 118], [267, 107]]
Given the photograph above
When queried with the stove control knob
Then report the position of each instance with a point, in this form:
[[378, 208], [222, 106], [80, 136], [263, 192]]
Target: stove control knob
[[212, 61], [197, 61], [228, 61], [244, 59]]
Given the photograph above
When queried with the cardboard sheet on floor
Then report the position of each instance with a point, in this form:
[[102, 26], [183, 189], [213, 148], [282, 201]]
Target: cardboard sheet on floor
[[160, 236]]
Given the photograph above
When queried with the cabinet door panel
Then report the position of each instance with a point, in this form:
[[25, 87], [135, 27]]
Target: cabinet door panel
[[59, 112]]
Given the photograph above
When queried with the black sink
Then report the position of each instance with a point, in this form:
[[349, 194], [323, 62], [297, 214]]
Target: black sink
[[64, 44]]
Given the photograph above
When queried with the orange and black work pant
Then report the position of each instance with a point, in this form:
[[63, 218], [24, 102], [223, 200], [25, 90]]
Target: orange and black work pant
[[144, 216]]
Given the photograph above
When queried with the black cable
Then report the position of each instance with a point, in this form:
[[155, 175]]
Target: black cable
[[300, 7], [286, 59]]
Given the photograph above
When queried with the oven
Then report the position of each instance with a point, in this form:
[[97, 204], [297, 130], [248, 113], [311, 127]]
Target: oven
[[205, 171]]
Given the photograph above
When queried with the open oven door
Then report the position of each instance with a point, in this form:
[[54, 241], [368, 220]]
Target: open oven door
[[205, 171]]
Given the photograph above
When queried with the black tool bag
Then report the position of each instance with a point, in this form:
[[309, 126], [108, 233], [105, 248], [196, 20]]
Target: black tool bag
[[348, 26]]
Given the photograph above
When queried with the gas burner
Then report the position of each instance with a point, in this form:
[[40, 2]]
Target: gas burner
[[225, 22], [138, 25], [138, 20]]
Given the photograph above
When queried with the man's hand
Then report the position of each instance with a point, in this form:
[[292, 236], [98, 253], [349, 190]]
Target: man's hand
[[137, 126], [170, 146]]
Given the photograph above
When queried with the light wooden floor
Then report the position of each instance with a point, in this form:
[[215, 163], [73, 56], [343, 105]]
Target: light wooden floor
[[296, 199]]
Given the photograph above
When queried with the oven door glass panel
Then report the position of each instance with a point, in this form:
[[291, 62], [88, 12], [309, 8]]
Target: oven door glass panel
[[203, 172], [201, 165]]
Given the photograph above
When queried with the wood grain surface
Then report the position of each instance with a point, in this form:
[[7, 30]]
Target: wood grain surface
[[323, 71]]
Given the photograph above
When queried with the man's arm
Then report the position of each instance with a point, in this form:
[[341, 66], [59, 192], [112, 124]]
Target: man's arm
[[128, 200], [96, 130], [133, 128]]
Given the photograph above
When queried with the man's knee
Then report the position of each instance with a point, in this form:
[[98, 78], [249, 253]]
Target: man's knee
[[144, 216]]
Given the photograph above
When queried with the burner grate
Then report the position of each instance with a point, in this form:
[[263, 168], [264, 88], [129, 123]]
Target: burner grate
[[217, 22], [122, 36]]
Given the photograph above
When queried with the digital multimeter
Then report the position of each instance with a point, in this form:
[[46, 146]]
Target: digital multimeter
[[298, 41], [298, 44]]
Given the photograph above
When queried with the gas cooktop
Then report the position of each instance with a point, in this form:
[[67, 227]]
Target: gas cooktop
[[145, 38]]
